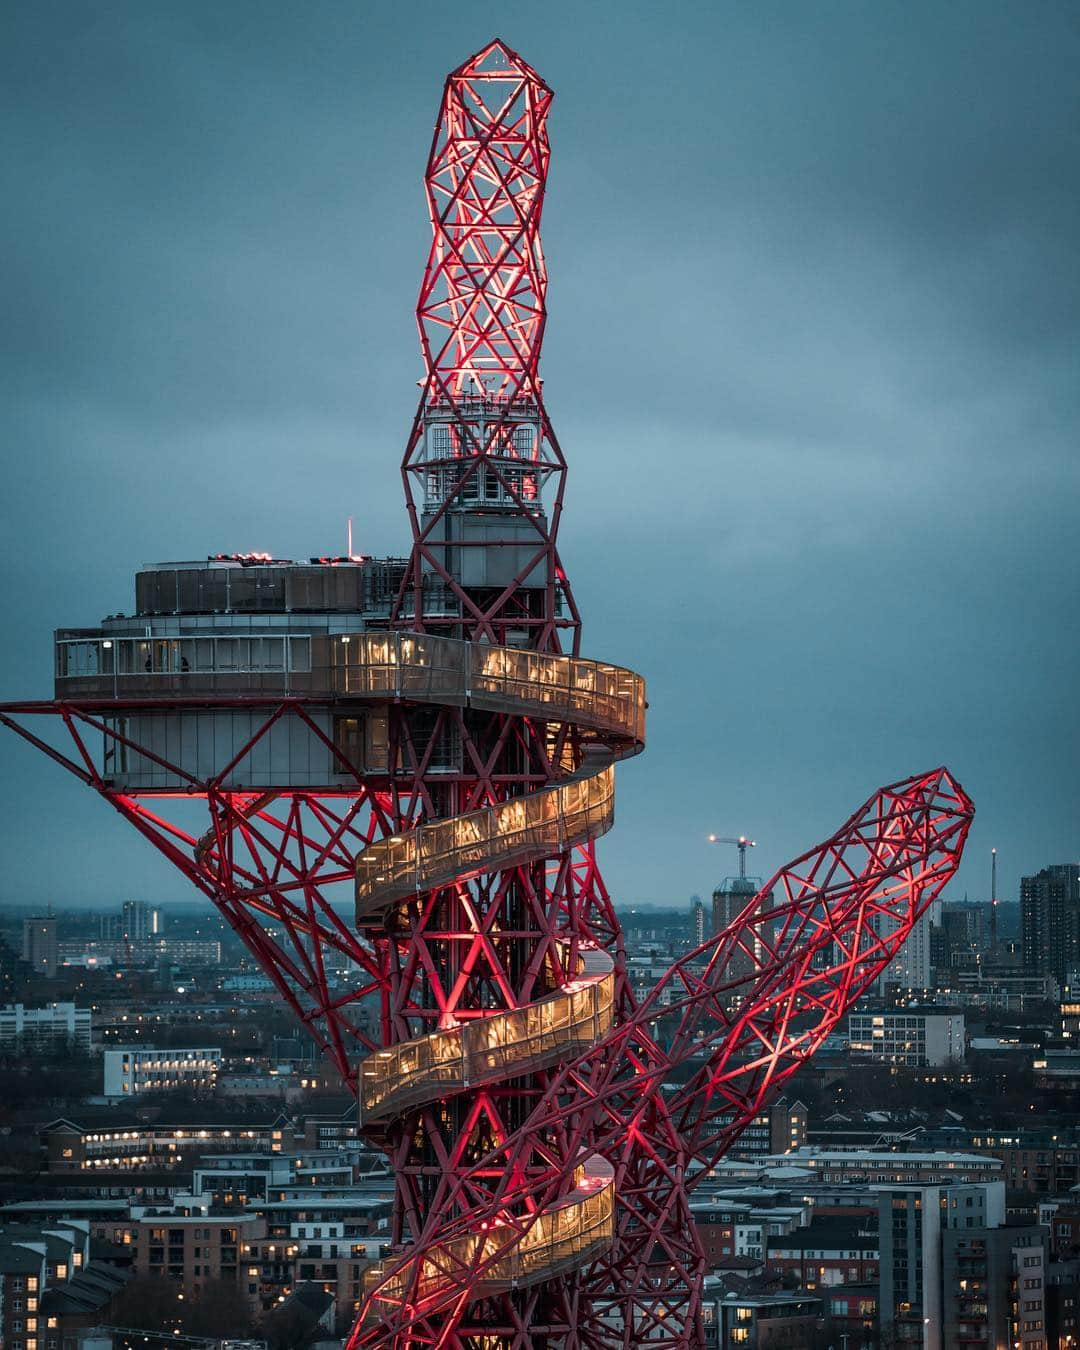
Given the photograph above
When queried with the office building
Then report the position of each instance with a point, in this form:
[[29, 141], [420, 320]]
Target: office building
[[40, 946]]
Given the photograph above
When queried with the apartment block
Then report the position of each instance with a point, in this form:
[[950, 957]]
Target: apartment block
[[132, 1069], [56, 1026], [917, 1040]]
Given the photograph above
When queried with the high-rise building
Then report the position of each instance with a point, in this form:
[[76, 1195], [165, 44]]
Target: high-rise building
[[697, 921], [140, 920], [729, 900], [909, 1240], [1050, 920], [955, 1272], [1070, 1006], [40, 946], [964, 923], [910, 968]]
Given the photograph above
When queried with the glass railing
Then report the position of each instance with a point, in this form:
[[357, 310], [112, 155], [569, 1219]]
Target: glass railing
[[547, 821], [568, 1235], [498, 1046], [369, 665]]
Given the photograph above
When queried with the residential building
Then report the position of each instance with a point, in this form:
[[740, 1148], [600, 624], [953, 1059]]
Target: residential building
[[851, 1311], [964, 926], [740, 1222], [1057, 1069], [194, 1249], [22, 1280], [780, 1128], [1050, 920], [910, 967], [133, 1069], [994, 1279], [1070, 1007], [1043, 1161], [138, 920], [909, 1234], [1063, 1304], [756, 1321], [876, 1167], [56, 1026], [828, 1252], [112, 1141], [12, 970], [148, 951], [40, 949], [905, 1036]]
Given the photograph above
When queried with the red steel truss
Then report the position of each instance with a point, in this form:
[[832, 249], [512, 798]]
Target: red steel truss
[[514, 1083]]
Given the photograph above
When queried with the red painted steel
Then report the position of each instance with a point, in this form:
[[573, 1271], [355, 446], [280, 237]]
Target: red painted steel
[[484, 477]]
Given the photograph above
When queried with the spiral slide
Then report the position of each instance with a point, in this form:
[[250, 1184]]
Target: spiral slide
[[605, 706]]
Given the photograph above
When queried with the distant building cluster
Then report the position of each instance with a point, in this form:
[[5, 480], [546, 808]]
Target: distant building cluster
[[199, 1151]]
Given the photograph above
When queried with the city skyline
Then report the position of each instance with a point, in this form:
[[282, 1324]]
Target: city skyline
[[849, 362]]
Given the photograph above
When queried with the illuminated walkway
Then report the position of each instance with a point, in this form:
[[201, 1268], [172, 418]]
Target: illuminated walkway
[[606, 706]]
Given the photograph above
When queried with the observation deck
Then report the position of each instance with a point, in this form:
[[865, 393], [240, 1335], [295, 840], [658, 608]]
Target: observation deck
[[187, 685]]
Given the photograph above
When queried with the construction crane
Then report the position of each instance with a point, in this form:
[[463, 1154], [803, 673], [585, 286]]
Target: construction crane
[[742, 844]]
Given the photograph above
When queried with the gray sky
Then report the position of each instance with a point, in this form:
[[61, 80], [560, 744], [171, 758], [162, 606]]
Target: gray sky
[[812, 356]]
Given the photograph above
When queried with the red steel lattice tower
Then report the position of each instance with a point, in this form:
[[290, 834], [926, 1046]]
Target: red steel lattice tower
[[424, 734]]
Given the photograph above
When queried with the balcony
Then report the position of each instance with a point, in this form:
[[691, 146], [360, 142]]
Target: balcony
[[499, 1046], [569, 1235]]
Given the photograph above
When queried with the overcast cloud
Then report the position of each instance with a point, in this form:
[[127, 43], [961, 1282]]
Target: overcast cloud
[[812, 357]]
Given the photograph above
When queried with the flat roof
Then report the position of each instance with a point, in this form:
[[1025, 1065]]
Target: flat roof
[[54, 1206], [809, 1155]]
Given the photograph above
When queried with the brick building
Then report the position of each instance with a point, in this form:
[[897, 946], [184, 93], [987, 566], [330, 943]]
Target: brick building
[[829, 1251], [196, 1249]]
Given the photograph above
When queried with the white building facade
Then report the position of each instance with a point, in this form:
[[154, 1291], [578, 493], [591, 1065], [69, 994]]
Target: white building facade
[[132, 1069], [56, 1026], [906, 1036]]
